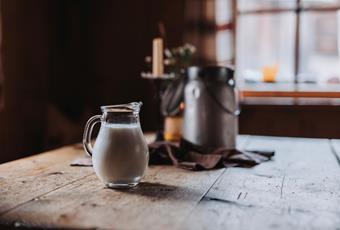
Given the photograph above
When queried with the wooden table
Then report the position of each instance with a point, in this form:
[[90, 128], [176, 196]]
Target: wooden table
[[299, 189]]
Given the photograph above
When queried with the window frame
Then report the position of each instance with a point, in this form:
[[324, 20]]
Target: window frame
[[298, 9]]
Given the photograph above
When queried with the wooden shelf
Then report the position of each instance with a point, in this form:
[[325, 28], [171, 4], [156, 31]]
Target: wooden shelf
[[284, 90]]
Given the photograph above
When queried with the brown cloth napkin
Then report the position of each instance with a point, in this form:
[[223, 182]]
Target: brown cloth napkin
[[193, 157]]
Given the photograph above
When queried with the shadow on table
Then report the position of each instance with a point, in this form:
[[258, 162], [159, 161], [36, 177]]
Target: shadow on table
[[158, 191]]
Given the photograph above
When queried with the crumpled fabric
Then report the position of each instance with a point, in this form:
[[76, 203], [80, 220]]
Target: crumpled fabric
[[193, 157]]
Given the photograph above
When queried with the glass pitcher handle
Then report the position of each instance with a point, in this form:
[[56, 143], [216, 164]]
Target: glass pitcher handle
[[87, 133]]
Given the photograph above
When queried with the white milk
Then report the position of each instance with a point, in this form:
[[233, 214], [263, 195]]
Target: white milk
[[120, 154]]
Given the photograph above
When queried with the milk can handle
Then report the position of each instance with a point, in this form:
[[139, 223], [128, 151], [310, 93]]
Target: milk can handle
[[88, 131], [236, 111]]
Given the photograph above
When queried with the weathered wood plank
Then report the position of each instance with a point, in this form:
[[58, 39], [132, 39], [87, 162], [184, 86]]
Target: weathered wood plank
[[163, 200], [25, 179], [221, 215], [298, 189]]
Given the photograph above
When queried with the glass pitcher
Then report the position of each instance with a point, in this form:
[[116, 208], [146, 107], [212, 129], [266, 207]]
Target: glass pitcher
[[120, 154]]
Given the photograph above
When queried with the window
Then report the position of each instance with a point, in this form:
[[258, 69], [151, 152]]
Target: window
[[260, 45], [288, 40]]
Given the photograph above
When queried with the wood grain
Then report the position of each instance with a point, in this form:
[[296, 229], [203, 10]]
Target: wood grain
[[167, 195], [28, 178], [25, 179], [163, 200], [298, 189]]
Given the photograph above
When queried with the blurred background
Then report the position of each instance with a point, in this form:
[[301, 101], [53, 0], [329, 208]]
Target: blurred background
[[62, 59]]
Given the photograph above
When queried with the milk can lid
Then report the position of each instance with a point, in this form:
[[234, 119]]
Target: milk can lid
[[211, 73], [174, 94]]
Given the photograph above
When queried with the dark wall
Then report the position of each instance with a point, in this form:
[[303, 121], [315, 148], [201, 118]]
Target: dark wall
[[319, 121], [25, 62], [99, 47], [64, 58]]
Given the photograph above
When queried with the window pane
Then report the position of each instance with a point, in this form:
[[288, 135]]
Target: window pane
[[319, 54], [320, 3], [224, 44], [223, 11], [244, 5], [266, 40]]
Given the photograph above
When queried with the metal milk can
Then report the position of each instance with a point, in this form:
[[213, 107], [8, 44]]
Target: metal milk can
[[211, 107]]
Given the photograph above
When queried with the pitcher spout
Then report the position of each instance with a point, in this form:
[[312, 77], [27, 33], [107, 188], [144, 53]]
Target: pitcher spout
[[135, 106], [129, 107]]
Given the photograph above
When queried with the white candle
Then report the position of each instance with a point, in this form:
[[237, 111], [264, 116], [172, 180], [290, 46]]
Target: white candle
[[157, 57]]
